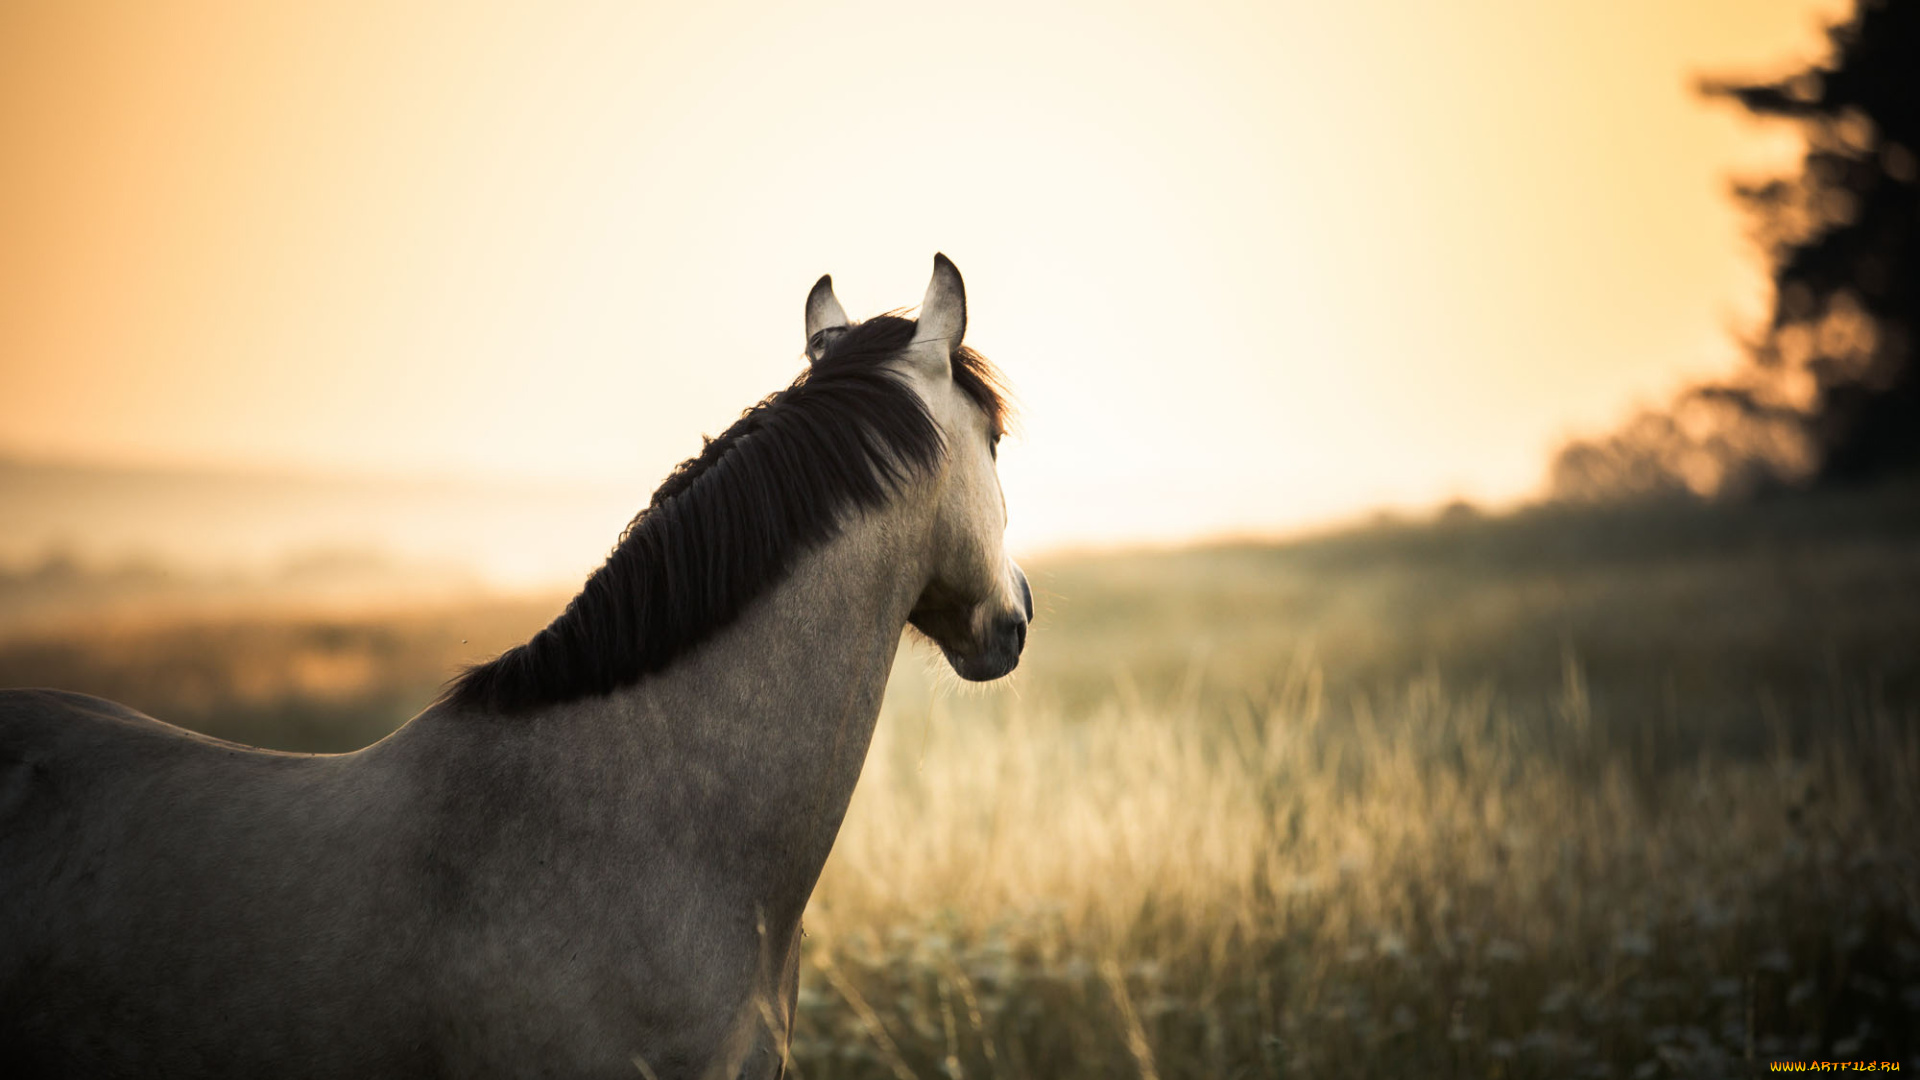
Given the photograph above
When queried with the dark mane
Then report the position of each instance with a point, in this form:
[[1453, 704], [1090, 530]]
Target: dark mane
[[730, 523]]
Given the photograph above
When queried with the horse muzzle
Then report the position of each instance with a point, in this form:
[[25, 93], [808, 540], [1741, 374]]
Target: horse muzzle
[[995, 637]]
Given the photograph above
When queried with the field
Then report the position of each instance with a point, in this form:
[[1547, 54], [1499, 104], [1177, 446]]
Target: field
[[1568, 793]]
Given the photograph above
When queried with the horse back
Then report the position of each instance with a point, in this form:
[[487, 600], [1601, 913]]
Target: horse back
[[72, 766], [160, 888]]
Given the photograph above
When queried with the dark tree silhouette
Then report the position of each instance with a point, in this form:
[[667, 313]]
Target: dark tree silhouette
[[1832, 395]]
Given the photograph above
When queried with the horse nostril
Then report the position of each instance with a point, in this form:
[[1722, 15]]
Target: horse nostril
[[1010, 627], [1026, 595]]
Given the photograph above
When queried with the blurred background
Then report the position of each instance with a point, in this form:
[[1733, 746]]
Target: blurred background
[[1469, 469]]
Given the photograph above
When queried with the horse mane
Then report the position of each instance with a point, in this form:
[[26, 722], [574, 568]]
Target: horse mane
[[731, 522]]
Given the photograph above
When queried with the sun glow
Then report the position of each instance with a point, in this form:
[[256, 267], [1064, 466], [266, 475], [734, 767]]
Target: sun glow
[[1249, 267]]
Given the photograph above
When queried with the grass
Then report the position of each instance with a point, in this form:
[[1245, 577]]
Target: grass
[[1430, 884], [1624, 794]]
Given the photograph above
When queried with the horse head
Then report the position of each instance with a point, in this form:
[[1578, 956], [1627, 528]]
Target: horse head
[[975, 604]]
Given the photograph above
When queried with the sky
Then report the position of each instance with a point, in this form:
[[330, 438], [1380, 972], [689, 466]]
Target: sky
[[1249, 268]]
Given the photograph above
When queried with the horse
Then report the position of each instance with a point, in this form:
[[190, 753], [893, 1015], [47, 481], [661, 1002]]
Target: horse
[[588, 856]]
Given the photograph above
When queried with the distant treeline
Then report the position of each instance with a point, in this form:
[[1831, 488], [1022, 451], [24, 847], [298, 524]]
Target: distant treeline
[[60, 587]]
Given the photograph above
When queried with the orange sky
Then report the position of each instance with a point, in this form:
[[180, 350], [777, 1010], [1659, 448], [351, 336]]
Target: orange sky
[[1249, 266]]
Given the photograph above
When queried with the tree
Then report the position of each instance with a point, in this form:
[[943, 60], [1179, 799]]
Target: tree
[[1831, 395]]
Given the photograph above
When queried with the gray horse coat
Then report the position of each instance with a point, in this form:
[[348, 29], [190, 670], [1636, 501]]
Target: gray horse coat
[[591, 856]]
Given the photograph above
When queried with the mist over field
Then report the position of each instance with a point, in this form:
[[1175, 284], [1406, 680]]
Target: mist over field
[[269, 525]]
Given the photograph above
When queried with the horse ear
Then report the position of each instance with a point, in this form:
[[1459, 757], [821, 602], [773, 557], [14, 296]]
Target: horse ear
[[943, 312], [826, 319]]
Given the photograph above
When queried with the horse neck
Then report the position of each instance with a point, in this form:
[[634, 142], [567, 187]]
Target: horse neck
[[782, 705], [745, 750]]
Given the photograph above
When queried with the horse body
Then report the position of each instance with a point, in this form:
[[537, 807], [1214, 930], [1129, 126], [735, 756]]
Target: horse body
[[605, 883]]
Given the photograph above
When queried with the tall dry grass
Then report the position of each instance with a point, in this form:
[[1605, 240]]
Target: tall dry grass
[[1431, 884]]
